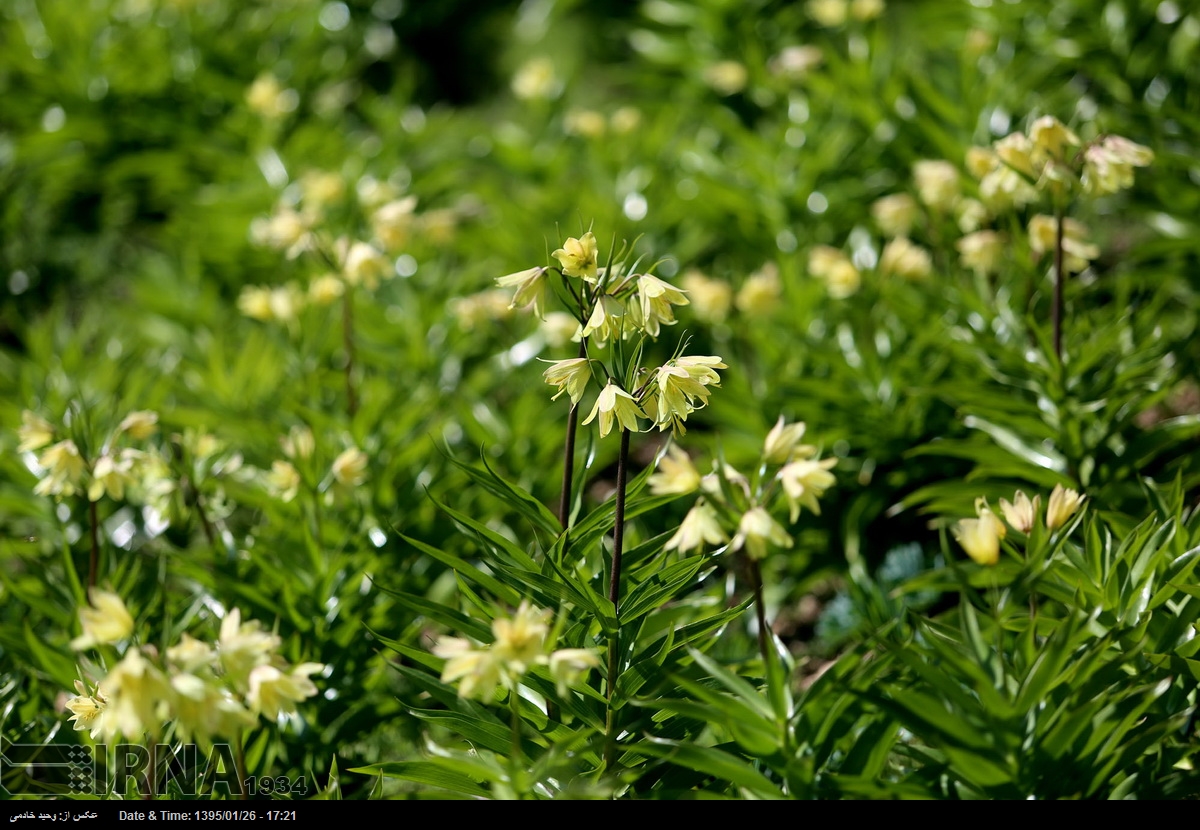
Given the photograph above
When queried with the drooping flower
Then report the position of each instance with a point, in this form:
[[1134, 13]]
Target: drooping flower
[[895, 214], [274, 691], [783, 443], [521, 640], [64, 470], [350, 467], [681, 388], [614, 401], [676, 474], [570, 376], [805, 481], [201, 709], [607, 320], [1108, 164], [243, 646], [35, 432], [759, 294], [104, 620], [139, 425], [579, 257], [137, 696], [111, 475], [937, 183], [568, 666], [1077, 251], [903, 258], [531, 288], [699, 527], [982, 251], [1063, 505], [711, 298], [655, 298], [476, 670], [757, 531], [283, 480]]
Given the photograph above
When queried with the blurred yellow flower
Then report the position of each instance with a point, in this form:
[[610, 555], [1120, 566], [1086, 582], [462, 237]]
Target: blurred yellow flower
[[902, 258], [35, 432], [1063, 505], [805, 481], [711, 299], [783, 443], [531, 288], [937, 183], [980, 537], [274, 692], [699, 527], [350, 467], [757, 531], [64, 470], [759, 294], [104, 620], [283, 480], [139, 425], [895, 214], [1022, 513], [676, 474]]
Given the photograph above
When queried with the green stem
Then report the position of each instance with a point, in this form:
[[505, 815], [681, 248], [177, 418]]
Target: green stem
[[760, 609], [516, 766], [240, 763], [348, 345], [94, 557], [614, 596], [564, 500]]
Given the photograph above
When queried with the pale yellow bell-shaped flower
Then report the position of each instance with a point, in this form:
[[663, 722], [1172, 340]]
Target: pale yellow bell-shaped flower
[[676, 474], [105, 620], [1063, 505]]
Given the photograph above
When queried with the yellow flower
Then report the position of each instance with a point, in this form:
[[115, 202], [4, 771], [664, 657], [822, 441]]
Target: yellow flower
[[105, 620], [806, 481], [137, 695], [1051, 137], [578, 257], [35, 432], [285, 230], [682, 389], [202, 710], [937, 183], [1022, 513], [283, 480], [568, 666], [476, 670], [1077, 251], [255, 303], [655, 299], [570, 376], [558, 328], [298, 443], [536, 79], [828, 13], [64, 470], [904, 259], [726, 77], [243, 646], [895, 214], [711, 299], [586, 123], [607, 320], [190, 654], [677, 475], [1063, 505], [350, 467], [363, 265], [783, 443], [140, 425], [1016, 150], [756, 531], [392, 223], [615, 401], [531, 288], [699, 527], [1108, 165], [87, 710], [982, 251], [111, 475], [325, 289], [274, 692], [980, 537], [759, 294], [520, 641]]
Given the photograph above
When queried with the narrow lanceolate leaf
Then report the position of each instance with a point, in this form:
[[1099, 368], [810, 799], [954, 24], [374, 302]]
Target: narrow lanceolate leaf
[[714, 762], [429, 773]]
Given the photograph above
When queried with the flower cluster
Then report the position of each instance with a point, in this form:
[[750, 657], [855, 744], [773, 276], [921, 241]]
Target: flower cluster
[[301, 466], [610, 305], [980, 537], [203, 691], [520, 644], [64, 470], [733, 503]]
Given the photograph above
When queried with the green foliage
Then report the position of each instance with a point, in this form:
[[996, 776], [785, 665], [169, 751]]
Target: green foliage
[[364, 457]]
